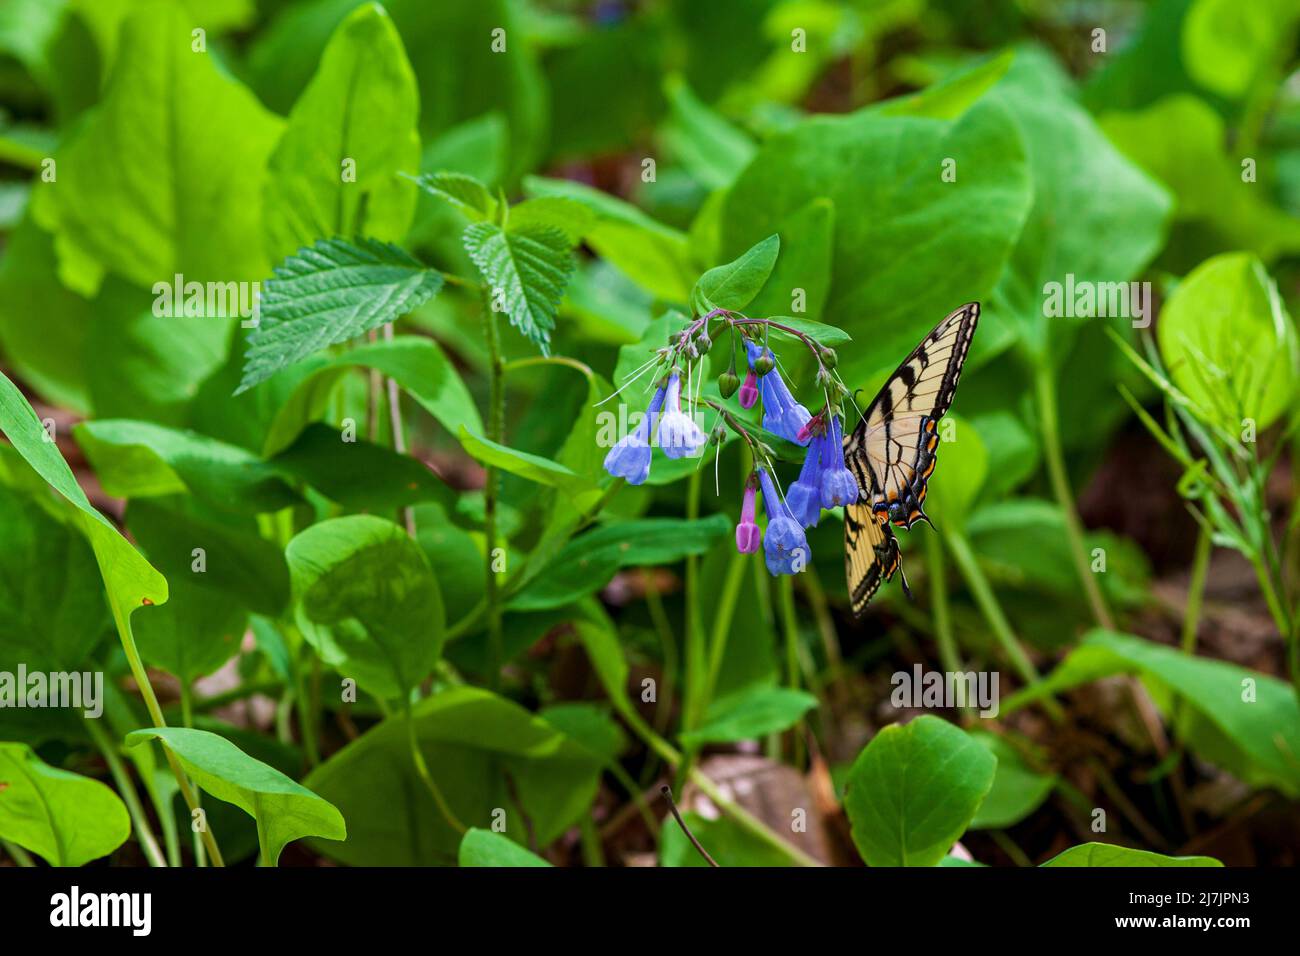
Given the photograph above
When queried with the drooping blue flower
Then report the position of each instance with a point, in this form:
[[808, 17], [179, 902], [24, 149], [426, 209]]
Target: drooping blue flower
[[630, 458], [804, 497], [839, 486], [785, 547], [678, 435], [782, 415]]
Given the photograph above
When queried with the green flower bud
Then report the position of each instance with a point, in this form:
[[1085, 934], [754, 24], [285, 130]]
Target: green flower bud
[[702, 342], [728, 383], [764, 364], [828, 357], [718, 435]]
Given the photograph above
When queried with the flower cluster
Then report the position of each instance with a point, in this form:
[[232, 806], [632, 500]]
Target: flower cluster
[[823, 483]]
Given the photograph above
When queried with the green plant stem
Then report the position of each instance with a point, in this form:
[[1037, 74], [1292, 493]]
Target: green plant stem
[[667, 641], [156, 715], [187, 719], [1045, 389], [496, 433], [1196, 590], [1282, 620], [696, 674], [422, 768], [722, 619], [943, 634], [790, 624], [988, 604], [126, 788], [532, 360], [17, 853], [743, 817]]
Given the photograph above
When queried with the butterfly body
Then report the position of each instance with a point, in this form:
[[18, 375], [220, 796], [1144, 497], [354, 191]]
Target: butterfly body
[[894, 450]]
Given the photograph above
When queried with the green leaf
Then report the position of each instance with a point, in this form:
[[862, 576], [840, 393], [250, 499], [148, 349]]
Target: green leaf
[[957, 481], [727, 842], [750, 713], [1229, 344], [63, 817], [1017, 790], [365, 598], [705, 143], [1243, 721], [462, 191], [360, 475], [359, 112], [734, 285], [52, 613], [139, 459], [588, 563], [417, 364], [284, 810], [606, 655], [1077, 175], [888, 302], [176, 198], [954, 94], [571, 217], [485, 848], [654, 256], [802, 275], [914, 790], [527, 270], [535, 468], [472, 742], [1225, 43], [193, 634], [129, 579], [1106, 854], [332, 292]]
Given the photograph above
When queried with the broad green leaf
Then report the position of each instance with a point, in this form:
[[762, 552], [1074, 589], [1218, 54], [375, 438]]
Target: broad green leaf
[[284, 810], [129, 579], [52, 612], [235, 560], [485, 848], [1243, 721], [63, 817], [733, 286], [1077, 175], [914, 790], [471, 740], [365, 598], [705, 143], [176, 199], [727, 842], [348, 136], [884, 300], [360, 475], [586, 564], [332, 292], [1017, 789], [1229, 344], [193, 634], [417, 364], [1225, 44], [1182, 141], [801, 278], [749, 714], [526, 270], [590, 726], [139, 460], [1106, 854], [654, 256]]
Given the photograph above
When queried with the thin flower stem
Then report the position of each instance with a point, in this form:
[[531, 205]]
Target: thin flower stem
[[1045, 389], [696, 674], [399, 433], [422, 768], [496, 433], [790, 624], [1196, 590], [726, 609], [126, 788]]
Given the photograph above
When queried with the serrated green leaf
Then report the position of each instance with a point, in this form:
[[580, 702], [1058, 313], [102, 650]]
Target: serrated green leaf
[[461, 190], [528, 269], [284, 810], [328, 294]]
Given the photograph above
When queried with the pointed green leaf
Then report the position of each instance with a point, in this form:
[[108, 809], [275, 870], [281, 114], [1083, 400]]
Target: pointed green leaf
[[485, 848], [749, 714], [1105, 854], [527, 270], [734, 285], [461, 190], [284, 810]]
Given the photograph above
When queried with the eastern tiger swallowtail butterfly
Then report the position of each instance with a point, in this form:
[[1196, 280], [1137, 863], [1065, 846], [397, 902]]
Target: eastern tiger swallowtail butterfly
[[892, 452]]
